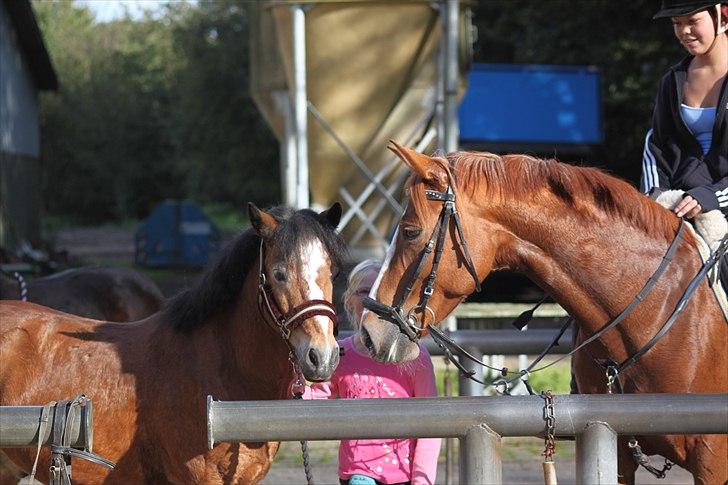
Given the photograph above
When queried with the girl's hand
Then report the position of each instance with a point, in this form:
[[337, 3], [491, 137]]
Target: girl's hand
[[688, 207]]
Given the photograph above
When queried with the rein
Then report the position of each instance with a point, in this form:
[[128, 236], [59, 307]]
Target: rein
[[444, 341], [408, 323], [22, 285]]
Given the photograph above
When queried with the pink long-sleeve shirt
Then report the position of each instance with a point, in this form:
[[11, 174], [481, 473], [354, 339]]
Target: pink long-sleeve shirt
[[385, 460]]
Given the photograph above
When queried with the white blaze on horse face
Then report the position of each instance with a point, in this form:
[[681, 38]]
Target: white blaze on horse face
[[314, 259], [387, 259]]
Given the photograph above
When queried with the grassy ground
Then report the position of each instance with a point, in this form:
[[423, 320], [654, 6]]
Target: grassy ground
[[556, 378]]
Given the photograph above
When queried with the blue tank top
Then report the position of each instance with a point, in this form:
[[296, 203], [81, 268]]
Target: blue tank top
[[700, 121]]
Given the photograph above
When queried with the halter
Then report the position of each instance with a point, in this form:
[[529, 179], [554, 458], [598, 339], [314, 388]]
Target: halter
[[408, 323], [285, 323]]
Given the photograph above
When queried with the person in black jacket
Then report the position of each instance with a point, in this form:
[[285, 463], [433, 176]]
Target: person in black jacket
[[687, 146]]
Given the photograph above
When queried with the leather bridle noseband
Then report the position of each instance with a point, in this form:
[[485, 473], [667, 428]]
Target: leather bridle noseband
[[285, 323], [408, 323]]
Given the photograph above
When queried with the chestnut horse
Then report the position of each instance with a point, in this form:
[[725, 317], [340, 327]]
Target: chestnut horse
[[149, 379], [588, 239], [112, 294]]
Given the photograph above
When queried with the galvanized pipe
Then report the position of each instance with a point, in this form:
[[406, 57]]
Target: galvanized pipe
[[480, 456], [300, 103], [502, 342], [452, 36], [446, 417], [596, 454], [19, 427], [466, 386]]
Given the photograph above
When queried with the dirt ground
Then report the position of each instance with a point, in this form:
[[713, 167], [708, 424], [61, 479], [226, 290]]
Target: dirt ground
[[521, 464]]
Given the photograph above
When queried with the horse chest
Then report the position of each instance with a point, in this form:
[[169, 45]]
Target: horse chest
[[243, 463]]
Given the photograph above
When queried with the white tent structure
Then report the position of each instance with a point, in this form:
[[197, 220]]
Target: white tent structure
[[337, 79]]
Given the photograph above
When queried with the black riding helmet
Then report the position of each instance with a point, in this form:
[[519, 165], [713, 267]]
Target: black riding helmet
[[679, 8]]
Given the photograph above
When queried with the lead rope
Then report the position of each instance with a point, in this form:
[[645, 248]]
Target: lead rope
[[549, 415], [297, 394], [634, 447], [22, 286], [44, 417]]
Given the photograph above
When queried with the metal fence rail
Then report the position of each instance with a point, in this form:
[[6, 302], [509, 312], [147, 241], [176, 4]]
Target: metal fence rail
[[501, 342], [20, 426], [479, 422]]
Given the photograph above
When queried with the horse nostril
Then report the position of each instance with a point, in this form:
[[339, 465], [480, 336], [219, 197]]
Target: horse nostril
[[313, 357]]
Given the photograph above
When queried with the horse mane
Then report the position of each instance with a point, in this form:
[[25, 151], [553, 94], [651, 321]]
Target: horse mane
[[219, 287], [523, 177]]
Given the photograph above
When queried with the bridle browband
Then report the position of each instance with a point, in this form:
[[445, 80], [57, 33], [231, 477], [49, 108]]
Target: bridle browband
[[408, 323], [285, 323]]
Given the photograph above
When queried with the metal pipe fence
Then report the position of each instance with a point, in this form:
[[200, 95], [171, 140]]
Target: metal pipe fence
[[479, 423], [21, 426]]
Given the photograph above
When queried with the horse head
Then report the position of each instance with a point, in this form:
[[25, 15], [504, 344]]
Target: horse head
[[412, 290], [297, 265]]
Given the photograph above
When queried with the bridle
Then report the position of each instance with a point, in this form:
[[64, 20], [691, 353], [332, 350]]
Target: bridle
[[285, 323], [408, 323]]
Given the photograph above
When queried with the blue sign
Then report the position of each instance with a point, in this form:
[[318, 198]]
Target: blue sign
[[517, 103]]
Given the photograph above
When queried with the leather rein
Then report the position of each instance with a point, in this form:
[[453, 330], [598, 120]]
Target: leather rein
[[408, 323]]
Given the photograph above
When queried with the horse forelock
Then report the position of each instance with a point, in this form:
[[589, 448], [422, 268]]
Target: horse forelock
[[521, 176], [219, 287]]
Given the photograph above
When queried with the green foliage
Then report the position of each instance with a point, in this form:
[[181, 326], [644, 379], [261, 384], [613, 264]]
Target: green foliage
[[151, 109], [159, 107], [556, 378], [226, 217]]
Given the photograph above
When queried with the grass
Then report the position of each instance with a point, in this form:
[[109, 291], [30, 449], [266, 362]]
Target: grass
[[556, 378], [226, 217]]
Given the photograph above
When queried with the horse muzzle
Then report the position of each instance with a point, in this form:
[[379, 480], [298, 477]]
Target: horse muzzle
[[318, 363], [385, 342]]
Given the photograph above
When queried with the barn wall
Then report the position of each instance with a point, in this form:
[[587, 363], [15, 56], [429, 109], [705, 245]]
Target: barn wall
[[19, 142]]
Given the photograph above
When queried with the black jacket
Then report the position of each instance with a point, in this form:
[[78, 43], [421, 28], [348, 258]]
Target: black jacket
[[673, 158]]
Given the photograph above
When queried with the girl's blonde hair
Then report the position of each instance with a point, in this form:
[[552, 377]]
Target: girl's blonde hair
[[355, 277]]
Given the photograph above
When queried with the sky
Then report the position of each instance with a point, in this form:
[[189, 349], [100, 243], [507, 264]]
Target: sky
[[107, 10]]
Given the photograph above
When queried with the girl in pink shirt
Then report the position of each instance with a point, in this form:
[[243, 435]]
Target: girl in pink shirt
[[358, 376]]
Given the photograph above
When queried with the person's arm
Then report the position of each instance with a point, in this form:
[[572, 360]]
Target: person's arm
[[658, 160], [427, 450], [711, 197], [654, 178]]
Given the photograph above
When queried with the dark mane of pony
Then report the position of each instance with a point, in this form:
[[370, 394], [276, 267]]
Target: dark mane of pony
[[219, 287], [522, 177]]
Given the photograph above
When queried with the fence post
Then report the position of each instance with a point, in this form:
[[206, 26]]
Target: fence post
[[480, 456], [596, 454], [468, 387]]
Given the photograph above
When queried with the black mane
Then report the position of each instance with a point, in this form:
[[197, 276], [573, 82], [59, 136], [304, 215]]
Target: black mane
[[218, 288]]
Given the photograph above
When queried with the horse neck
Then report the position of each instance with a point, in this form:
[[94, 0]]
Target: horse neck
[[593, 269], [261, 354], [236, 356]]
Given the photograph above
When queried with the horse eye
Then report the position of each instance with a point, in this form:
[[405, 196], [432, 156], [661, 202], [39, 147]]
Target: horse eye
[[411, 233], [279, 275]]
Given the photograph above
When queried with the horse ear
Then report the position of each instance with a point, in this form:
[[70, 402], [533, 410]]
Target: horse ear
[[332, 215], [429, 169], [263, 223]]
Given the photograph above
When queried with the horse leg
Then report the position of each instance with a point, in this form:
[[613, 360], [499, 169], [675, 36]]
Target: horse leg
[[626, 467], [708, 459]]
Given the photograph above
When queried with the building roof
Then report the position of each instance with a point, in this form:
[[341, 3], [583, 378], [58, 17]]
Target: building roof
[[31, 42]]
